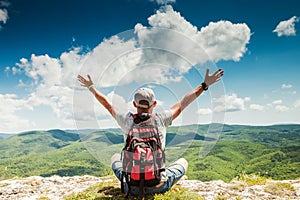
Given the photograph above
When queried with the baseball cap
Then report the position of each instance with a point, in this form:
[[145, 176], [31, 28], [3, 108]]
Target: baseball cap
[[144, 94]]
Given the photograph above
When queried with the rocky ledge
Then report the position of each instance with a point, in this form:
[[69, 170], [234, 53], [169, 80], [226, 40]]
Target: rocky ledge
[[56, 187]]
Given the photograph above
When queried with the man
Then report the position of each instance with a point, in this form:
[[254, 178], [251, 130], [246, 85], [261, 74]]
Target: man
[[145, 102]]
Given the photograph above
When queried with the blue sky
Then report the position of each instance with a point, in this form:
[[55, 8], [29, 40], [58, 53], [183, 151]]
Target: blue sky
[[45, 44]]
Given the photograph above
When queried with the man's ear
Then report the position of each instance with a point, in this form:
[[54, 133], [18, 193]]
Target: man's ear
[[154, 103], [134, 104]]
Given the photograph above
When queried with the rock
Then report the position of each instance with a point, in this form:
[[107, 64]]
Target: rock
[[277, 190], [56, 187]]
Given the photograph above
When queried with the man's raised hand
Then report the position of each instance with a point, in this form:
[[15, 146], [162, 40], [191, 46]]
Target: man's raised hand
[[85, 82], [215, 77]]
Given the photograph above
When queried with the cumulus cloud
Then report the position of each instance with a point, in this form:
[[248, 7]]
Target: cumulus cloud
[[111, 60], [3, 12], [220, 40], [166, 50], [53, 81], [277, 102], [230, 103], [286, 86], [278, 105], [286, 27], [297, 103], [10, 105], [225, 41], [256, 107], [204, 111], [3, 16], [281, 108], [163, 2], [161, 53]]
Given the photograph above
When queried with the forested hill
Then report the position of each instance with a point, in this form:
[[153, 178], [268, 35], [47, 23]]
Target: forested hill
[[271, 151], [5, 135]]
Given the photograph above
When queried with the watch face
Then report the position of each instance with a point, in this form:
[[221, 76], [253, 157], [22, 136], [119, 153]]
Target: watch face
[[205, 87]]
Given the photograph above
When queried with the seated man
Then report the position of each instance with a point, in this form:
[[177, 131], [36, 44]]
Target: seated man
[[145, 102]]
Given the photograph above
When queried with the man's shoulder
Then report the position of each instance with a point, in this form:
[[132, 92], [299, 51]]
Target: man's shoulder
[[124, 114], [164, 116], [123, 117], [163, 113]]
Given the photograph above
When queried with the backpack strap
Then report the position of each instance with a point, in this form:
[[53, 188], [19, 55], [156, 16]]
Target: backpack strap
[[138, 119], [141, 188]]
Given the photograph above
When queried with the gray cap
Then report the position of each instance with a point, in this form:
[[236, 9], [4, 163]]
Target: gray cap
[[144, 94]]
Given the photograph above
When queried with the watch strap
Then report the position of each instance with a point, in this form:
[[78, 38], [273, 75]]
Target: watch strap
[[204, 86]]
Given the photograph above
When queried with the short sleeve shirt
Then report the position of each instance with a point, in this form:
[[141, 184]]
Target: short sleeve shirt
[[163, 120]]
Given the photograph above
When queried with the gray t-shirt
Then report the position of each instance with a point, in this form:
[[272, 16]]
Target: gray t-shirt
[[163, 120]]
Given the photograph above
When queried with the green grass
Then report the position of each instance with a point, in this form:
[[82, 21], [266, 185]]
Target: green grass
[[111, 190], [253, 179], [280, 189]]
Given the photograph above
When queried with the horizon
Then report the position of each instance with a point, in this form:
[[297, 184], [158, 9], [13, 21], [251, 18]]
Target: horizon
[[162, 44], [118, 128]]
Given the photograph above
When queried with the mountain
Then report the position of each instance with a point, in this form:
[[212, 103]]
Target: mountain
[[5, 135], [35, 142], [271, 151], [46, 153]]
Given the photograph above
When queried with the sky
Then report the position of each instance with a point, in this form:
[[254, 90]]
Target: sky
[[163, 44]]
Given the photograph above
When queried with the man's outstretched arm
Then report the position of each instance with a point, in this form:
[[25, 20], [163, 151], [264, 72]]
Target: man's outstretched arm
[[99, 96], [177, 108]]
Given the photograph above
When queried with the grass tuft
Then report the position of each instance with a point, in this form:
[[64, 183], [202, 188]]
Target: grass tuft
[[280, 189], [252, 179], [111, 190]]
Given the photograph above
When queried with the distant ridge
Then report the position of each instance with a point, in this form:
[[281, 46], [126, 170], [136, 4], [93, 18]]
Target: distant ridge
[[272, 151], [5, 135]]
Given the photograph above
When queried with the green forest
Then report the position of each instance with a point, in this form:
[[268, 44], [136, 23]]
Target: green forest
[[270, 151]]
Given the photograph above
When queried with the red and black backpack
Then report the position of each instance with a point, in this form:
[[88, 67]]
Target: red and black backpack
[[143, 156]]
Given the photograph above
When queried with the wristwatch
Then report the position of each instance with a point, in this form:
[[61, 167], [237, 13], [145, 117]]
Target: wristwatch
[[204, 86]]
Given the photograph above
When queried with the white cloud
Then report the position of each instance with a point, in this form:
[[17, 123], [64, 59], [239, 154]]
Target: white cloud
[[225, 41], [221, 40], [286, 86], [256, 107], [112, 61], [119, 102], [230, 103], [3, 12], [3, 16], [277, 102], [163, 2], [204, 111], [21, 83], [10, 105], [297, 103], [52, 81], [281, 108], [287, 27], [154, 54], [117, 61]]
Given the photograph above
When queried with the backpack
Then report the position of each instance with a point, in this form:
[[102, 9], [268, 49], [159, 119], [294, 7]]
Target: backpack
[[143, 156]]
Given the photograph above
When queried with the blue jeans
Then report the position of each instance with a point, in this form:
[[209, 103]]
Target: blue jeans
[[174, 172]]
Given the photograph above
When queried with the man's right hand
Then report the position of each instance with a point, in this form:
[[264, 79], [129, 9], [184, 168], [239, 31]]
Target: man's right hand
[[215, 77]]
